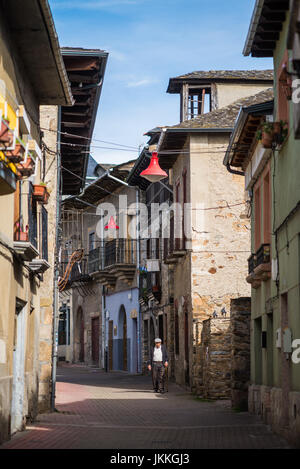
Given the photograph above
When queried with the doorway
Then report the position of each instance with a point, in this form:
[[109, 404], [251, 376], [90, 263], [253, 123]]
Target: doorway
[[80, 335], [95, 341], [134, 346], [18, 385], [123, 363], [110, 345], [186, 348]]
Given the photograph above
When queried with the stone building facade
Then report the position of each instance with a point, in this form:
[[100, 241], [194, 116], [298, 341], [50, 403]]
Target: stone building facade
[[103, 287], [205, 264]]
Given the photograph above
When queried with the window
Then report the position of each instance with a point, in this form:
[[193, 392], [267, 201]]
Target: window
[[267, 208], [92, 241], [177, 218], [183, 208], [176, 331], [257, 220], [198, 101]]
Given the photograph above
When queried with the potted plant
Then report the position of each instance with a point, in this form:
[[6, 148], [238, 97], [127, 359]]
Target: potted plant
[[40, 192], [266, 134]]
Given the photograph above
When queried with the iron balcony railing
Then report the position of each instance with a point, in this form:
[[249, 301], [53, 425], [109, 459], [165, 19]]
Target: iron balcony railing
[[251, 263], [116, 251], [79, 270], [263, 254]]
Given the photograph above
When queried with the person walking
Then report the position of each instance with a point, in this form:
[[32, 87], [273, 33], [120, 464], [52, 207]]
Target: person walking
[[158, 363]]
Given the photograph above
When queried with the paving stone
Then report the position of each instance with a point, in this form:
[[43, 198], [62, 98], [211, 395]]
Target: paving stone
[[99, 410]]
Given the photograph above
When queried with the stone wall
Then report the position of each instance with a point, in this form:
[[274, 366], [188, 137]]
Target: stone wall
[[240, 311], [49, 120], [216, 358], [222, 355]]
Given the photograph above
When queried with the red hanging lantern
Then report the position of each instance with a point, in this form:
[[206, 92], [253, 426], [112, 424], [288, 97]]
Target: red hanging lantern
[[111, 225], [154, 173]]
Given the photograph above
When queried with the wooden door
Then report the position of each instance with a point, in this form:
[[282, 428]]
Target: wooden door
[[186, 347], [95, 340], [125, 343], [81, 351], [18, 381], [110, 344]]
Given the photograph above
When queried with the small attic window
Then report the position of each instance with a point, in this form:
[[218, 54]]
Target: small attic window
[[198, 102]]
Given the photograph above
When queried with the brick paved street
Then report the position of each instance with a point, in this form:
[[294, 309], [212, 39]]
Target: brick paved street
[[117, 410]]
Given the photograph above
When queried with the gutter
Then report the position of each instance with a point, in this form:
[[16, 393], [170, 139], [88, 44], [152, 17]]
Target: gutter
[[46, 12]]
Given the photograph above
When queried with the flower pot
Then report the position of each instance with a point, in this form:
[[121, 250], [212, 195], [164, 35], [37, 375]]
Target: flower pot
[[21, 236], [26, 169], [16, 155], [40, 193], [267, 139]]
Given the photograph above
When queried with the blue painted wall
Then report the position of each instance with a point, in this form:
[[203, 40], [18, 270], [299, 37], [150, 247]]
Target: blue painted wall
[[114, 302]]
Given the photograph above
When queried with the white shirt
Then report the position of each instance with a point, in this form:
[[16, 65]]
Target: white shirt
[[157, 354]]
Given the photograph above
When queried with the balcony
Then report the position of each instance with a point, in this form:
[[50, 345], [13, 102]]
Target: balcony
[[174, 250], [31, 235], [115, 260], [259, 266], [79, 272]]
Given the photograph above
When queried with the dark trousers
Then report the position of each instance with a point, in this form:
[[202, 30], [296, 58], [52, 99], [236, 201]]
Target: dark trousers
[[158, 373]]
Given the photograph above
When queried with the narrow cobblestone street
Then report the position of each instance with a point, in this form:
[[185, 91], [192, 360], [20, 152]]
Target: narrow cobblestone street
[[98, 410]]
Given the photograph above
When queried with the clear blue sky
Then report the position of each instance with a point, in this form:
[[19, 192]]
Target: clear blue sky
[[148, 42]]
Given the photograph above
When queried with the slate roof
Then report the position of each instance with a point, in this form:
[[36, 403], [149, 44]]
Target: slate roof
[[230, 75], [224, 118]]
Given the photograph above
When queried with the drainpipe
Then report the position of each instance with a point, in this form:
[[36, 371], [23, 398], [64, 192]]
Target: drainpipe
[[234, 171], [56, 271], [138, 281], [104, 351]]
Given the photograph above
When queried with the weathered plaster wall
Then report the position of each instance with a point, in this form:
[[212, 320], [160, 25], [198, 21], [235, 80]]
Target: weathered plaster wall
[[228, 93], [16, 89]]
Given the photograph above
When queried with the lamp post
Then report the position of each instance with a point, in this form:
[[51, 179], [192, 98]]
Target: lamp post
[[154, 173]]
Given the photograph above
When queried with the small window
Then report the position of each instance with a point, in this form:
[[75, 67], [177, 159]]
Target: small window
[[92, 241], [257, 221], [267, 209]]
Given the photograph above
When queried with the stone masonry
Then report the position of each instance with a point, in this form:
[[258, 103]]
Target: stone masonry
[[222, 354], [216, 358], [240, 351]]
